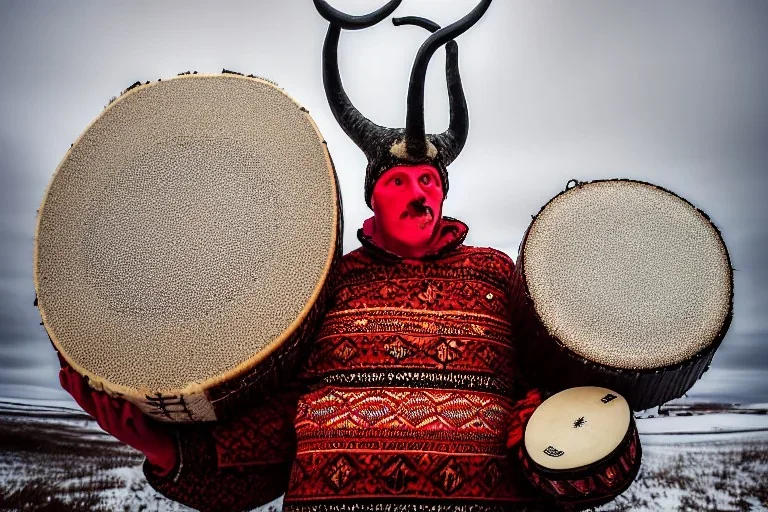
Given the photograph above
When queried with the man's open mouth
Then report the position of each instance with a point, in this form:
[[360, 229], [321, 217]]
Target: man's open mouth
[[419, 211]]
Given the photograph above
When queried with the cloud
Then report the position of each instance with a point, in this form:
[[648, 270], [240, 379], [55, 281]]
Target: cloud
[[673, 94], [732, 385]]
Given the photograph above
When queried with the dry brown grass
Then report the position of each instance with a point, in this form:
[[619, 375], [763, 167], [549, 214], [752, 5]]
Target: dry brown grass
[[734, 480]]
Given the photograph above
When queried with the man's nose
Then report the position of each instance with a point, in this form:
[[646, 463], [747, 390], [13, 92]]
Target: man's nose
[[420, 199], [415, 190]]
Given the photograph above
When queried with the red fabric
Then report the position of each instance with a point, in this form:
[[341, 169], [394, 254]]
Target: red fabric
[[411, 394], [522, 413], [414, 384], [123, 420], [239, 464]]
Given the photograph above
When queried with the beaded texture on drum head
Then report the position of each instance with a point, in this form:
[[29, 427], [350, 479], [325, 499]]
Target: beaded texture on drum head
[[632, 287], [185, 239]]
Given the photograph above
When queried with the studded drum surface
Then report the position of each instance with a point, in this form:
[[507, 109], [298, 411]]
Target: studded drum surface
[[627, 274], [186, 232]]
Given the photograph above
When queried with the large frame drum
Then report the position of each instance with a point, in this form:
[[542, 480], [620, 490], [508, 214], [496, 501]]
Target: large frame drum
[[630, 287], [185, 242]]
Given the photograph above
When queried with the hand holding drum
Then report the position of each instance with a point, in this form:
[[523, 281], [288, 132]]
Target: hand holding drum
[[184, 244], [124, 421]]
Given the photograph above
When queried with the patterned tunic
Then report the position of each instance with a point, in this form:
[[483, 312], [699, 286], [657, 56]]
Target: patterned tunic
[[408, 399], [414, 387]]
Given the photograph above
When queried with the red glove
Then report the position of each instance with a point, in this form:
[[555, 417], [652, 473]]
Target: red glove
[[123, 420], [522, 412]]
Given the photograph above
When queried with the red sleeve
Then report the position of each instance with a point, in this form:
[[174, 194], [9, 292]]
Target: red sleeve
[[522, 412], [235, 465]]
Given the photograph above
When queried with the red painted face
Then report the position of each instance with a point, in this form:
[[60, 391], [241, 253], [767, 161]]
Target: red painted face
[[407, 204]]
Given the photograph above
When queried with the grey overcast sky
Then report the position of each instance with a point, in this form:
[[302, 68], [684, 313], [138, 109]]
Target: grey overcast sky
[[673, 93]]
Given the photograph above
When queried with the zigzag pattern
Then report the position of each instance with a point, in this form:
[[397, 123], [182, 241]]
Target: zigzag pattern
[[403, 409]]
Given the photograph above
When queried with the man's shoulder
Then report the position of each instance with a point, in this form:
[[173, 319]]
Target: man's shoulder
[[486, 258], [356, 260], [488, 254], [355, 255]]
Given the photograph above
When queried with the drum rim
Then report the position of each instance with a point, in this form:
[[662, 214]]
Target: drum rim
[[704, 352], [269, 349], [580, 472]]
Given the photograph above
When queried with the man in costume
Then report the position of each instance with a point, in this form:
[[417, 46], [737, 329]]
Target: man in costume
[[411, 397]]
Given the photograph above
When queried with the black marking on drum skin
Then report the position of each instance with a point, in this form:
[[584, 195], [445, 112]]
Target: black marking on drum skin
[[553, 452], [579, 422], [167, 405], [607, 398]]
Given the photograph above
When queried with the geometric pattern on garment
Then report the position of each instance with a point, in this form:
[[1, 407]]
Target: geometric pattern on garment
[[327, 475], [402, 410]]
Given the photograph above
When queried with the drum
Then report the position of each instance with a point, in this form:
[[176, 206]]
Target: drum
[[581, 446], [630, 288], [184, 244]]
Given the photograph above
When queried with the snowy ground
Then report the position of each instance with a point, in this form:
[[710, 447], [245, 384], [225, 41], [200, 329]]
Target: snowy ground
[[55, 458], [715, 461]]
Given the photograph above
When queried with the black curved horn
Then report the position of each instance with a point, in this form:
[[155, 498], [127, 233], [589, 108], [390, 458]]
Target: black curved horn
[[418, 21], [361, 130], [450, 142], [415, 136], [349, 22]]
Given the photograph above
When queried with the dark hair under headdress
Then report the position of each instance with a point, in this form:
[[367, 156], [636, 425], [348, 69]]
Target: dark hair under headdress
[[387, 147]]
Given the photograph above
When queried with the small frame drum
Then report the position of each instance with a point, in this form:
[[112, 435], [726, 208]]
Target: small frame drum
[[581, 446], [184, 244], [630, 287]]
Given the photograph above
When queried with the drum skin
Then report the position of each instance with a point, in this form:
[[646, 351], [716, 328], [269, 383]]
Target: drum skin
[[254, 374], [610, 476], [558, 367], [581, 446]]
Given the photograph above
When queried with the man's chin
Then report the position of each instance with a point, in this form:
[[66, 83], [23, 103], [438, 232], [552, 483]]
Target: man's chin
[[420, 227], [416, 237]]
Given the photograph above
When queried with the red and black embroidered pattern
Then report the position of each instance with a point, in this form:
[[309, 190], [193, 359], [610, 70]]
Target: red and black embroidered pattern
[[262, 436], [454, 349], [414, 385], [397, 418], [407, 474], [221, 468], [414, 391]]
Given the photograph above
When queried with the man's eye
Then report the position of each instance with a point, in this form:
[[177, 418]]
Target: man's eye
[[426, 179], [397, 181]]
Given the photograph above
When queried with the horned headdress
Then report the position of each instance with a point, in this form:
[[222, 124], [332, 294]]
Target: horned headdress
[[387, 147]]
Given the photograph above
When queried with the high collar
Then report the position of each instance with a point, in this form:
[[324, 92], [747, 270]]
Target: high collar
[[451, 234]]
